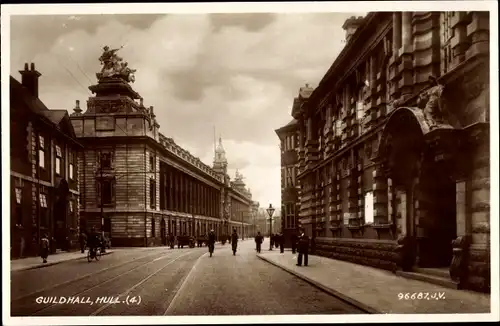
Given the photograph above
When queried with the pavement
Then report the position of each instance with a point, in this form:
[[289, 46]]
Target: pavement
[[378, 291], [53, 259], [172, 282]]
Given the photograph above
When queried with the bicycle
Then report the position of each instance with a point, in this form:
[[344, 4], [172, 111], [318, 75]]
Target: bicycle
[[94, 254]]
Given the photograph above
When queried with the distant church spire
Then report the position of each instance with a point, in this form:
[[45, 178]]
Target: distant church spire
[[220, 161]]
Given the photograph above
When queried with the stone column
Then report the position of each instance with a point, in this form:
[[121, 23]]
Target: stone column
[[396, 32], [406, 28], [480, 196], [379, 196], [479, 31], [373, 70], [459, 42], [406, 54]]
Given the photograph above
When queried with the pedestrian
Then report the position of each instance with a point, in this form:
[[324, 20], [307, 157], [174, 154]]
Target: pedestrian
[[303, 249], [258, 241], [276, 240], [294, 242], [211, 242], [282, 243], [83, 241], [234, 241], [44, 247]]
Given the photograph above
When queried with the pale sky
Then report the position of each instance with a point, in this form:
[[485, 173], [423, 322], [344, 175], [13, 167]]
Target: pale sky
[[237, 72]]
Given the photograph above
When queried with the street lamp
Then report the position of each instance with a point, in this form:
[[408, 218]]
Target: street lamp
[[270, 211]]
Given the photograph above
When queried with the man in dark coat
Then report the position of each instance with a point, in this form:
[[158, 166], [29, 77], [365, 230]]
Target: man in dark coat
[[211, 242], [44, 247], [234, 241], [83, 241], [258, 241], [294, 240], [282, 242], [303, 249]]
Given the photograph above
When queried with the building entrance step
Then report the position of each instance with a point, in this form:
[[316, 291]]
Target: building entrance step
[[430, 278], [442, 272]]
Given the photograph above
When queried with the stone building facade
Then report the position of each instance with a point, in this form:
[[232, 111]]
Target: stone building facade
[[137, 185], [289, 148], [394, 148], [44, 171]]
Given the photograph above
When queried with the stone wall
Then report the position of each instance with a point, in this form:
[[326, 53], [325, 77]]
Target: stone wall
[[375, 253]]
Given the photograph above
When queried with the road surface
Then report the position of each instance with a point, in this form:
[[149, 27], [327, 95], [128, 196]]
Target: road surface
[[162, 281]]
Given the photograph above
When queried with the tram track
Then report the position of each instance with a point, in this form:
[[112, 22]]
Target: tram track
[[80, 278], [102, 278], [123, 294]]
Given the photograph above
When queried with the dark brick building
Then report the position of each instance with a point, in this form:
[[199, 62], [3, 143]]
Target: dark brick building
[[44, 170]]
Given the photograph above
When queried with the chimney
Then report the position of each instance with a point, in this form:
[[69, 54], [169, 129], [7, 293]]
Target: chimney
[[142, 102], [151, 111], [77, 107], [29, 79], [351, 25]]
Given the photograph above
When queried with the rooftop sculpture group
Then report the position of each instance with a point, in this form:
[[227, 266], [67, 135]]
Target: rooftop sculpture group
[[114, 66]]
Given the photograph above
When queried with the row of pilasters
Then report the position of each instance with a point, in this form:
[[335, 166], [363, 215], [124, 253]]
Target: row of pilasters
[[183, 193], [179, 226]]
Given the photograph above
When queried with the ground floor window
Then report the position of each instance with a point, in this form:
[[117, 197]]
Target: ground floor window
[[369, 218]]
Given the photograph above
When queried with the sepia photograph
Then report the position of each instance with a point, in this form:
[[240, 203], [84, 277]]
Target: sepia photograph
[[270, 162]]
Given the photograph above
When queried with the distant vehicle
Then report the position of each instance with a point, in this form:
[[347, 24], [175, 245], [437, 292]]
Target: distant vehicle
[[185, 240]]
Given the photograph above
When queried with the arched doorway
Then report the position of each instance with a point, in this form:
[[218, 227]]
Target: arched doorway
[[163, 232], [420, 163]]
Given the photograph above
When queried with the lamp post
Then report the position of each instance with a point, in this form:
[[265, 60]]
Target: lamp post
[[270, 212]]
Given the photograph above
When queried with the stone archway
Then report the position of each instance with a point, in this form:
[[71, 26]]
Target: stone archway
[[420, 162]]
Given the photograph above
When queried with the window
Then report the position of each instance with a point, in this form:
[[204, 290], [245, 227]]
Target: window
[[71, 208], [18, 208], [290, 177], [346, 218], [152, 193], [71, 165], [290, 216], [360, 110], [369, 218], [152, 163], [41, 151], [106, 160], [43, 210], [106, 192], [153, 227], [58, 159], [19, 193], [43, 200]]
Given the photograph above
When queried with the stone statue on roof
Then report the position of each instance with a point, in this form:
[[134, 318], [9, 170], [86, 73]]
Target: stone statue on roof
[[114, 66]]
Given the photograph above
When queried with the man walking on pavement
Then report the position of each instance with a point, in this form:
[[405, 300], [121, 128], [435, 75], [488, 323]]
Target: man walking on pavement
[[234, 241], [83, 241], [258, 241], [282, 242], [294, 242], [303, 249], [45, 247]]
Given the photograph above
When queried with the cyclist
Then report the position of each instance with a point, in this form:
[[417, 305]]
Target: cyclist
[[93, 241], [211, 242]]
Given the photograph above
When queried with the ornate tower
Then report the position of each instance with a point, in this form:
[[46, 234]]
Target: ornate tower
[[119, 170], [220, 161]]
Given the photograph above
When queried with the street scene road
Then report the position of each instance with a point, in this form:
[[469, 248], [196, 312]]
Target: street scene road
[[161, 281]]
